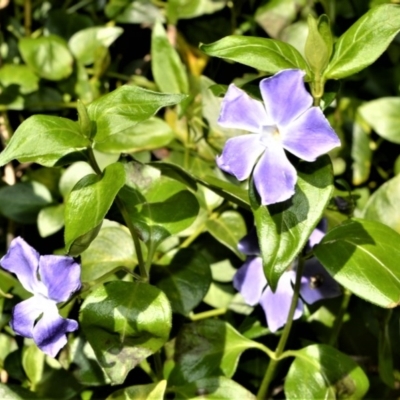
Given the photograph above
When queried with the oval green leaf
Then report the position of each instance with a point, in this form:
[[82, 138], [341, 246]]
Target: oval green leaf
[[152, 391], [44, 139], [364, 256], [322, 372], [48, 56], [120, 110], [383, 117], [284, 228], [185, 280], [364, 41], [89, 201], [125, 323], [267, 55]]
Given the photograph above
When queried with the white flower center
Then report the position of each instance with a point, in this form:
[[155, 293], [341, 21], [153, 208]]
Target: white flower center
[[45, 304], [270, 135]]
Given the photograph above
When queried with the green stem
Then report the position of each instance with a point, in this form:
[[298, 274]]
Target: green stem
[[158, 365], [27, 17], [127, 219], [269, 375], [208, 314], [339, 318], [135, 238]]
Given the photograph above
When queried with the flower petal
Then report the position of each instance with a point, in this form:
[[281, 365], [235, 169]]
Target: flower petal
[[285, 96], [250, 280], [22, 260], [24, 315], [60, 275], [316, 283], [240, 155], [274, 176], [49, 332], [310, 135], [249, 244], [277, 305], [240, 111]]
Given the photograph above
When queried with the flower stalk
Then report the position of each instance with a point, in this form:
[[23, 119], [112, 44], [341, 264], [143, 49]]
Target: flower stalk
[[269, 375]]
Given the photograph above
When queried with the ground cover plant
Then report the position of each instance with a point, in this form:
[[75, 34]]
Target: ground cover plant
[[199, 199]]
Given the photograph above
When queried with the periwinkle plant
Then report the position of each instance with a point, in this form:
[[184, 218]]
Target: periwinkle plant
[[185, 204]]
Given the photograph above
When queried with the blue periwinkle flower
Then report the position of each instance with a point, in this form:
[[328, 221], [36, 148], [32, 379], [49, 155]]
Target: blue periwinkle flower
[[51, 279], [285, 120], [316, 283]]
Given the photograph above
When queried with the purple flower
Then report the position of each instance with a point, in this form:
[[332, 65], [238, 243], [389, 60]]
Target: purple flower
[[316, 284], [286, 121], [52, 280]]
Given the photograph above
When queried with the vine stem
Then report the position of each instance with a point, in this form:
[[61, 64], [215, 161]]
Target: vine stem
[[339, 318], [27, 17], [269, 374], [127, 219]]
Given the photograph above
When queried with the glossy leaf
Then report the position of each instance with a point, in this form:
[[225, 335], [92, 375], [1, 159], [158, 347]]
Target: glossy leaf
[[23, 201], [134, 12], [120, 110], [184, 9], [363, 257], [158, 206], [219, 344], [20, 75], [382, 206], [50, 220], [152, 391], [228, 229], [113, 247], [33, 362], [89, 202], [322, 372], [84, 43], [72, 175], [185, 280], [267, 55], [383, 117], [361, 153], [216, 388], [284, 228], [125, 323], [44, 139], [48, 56], [147, 135], [364, 41], [168, 70]]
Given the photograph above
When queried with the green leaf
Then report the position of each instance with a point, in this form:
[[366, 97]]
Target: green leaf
[[113, 247], [364, 41], [48, 56], [219, 344], [152, 391], [72, 175], [84, 44], [33, 364], [284, 228], [89, 202], [216, 388], [146, 135], [44, 139], [383, 116], [20, 75], [168, 71], [361, 153], [363, 257], [120, 110], [158, 206], [125, 323], [23, 201], [385, 352], [186, 9], [134, 12], [228, 229], [50, 220], [322, 372], [267, 55], [185, 280], [175, 172], [15, 392], [382, 206]]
